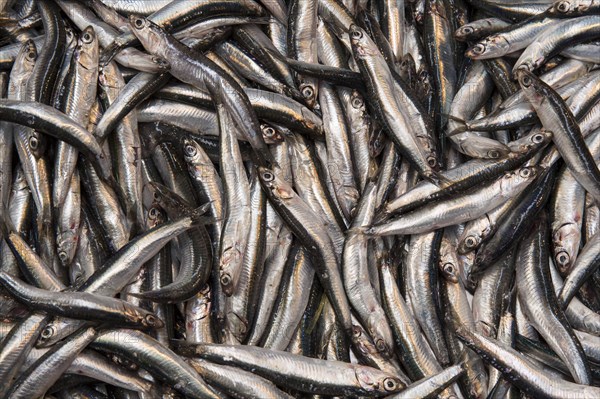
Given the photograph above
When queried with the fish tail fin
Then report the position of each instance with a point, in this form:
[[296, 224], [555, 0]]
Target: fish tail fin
[[109, 53], [438, 179], [198, 215], [464, 127]]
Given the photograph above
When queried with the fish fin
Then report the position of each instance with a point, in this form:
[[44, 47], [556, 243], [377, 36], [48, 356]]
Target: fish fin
[[205, 207], [363, 230], [438, 179], [381, 214], [198, 217], [464, 127], [150, 139], [455, 118], [168, 199], [140, 295], [357, 230], [109, 53]]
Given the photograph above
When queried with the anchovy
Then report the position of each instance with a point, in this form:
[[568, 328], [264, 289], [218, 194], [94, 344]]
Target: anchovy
[[305, 374], [534, 288]]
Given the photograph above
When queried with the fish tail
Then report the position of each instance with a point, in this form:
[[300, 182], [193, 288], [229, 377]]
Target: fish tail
[[464, 127]]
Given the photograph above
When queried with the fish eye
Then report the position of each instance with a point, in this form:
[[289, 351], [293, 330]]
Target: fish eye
[[494, 154], [525, 80], [225, 279], [356, 331], [470, 242], [563, 6], [357, 102], [432, 161], [190, 150], [139, 23], [479, 48], [448, 268], [390, 384], [525, 172], [268, 176], [153, 213], [467, 30], [537, 138], [62, 255], [380, 345], [34, 143], [308, 92], [563, 258], [150, 320], [31, 55], [356, 34], [268, 131], [87, 38], [47, 332]]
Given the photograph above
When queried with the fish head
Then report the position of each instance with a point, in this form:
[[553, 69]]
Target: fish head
[[155, 216], [362, 45], [484, 147], [270, 134], [464, 32], [309, 90], [87, 52], [36, 143], [191, 149], [478, 50], [491, 47], [565, 246], [66, 246], [450, 270], [54, 331], [27, 55], [534, 141], [149, 34], [530, 85], [373, 380], [469, 243], [381, 334], [562, 8], [430, 152], [277, 189], [517, 180], [151, 320]]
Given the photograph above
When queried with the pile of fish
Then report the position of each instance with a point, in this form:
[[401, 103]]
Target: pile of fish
[[299, 199]]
